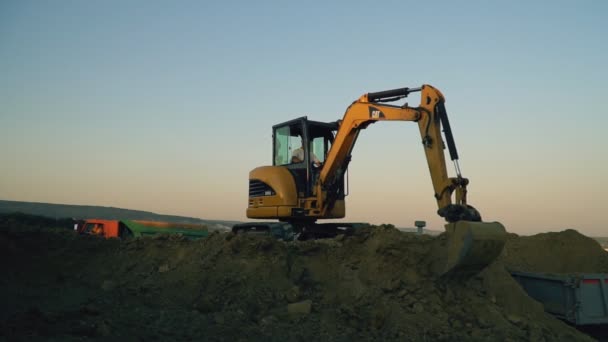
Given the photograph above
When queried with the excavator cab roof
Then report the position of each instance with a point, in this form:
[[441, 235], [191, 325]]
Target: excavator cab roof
[[299, 123], [299, 133]]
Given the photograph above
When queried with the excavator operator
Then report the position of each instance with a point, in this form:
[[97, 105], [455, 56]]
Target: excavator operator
[[298, 155]]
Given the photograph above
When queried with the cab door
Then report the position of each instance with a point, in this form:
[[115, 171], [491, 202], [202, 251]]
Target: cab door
[[290, 150]]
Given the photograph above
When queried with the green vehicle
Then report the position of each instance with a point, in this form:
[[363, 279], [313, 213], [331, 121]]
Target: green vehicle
[[143, 228]]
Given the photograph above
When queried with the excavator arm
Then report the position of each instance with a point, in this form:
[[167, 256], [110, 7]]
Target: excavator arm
[[472, 244], [430, 116]]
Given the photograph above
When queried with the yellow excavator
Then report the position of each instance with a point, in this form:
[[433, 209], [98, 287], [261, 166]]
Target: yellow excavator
[[308, 181]]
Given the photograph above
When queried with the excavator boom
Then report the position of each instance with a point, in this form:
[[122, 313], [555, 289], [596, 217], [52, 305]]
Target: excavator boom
[[472, 244]]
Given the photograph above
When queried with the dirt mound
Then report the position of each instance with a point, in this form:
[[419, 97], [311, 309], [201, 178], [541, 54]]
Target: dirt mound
[[379, 284], [567, 251]]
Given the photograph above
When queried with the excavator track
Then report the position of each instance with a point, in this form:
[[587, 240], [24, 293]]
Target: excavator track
[[291, 231], [278, 230]]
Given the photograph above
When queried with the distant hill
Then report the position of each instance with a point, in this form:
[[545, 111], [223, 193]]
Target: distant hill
[[59, 211]]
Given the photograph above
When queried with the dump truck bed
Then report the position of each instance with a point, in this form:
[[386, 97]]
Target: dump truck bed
[[142, 228], [581, 299]]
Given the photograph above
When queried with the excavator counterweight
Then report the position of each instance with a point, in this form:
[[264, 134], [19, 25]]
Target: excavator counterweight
[[306, 181]]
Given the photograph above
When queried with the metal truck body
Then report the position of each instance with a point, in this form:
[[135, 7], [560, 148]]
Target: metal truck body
[[581, 299]]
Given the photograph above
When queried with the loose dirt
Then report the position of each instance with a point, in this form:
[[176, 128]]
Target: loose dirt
[[556, 252], [378, 284]]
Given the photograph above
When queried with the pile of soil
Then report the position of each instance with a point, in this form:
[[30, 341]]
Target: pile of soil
[[378, 284], [555, 252]]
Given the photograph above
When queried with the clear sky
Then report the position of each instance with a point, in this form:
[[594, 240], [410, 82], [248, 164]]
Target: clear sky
[[167, 105]]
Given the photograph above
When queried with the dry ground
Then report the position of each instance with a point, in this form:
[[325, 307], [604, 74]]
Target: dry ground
[[379, 284]]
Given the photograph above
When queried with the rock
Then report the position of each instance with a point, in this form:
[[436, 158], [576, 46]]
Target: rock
[[108, 285], [90, 309], [205, 305], [418, 308], [82, 328], [103, 329], [514, 319], [477, 334], [348, 311], [378, 317], [268, 320], [410, 276], [300, 308], [535, 333], [483, 322], [391, 285], [293, 294], [456, 324], [218, 318]]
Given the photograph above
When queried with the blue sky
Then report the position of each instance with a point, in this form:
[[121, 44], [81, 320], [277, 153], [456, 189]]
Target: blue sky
[[166, 106]]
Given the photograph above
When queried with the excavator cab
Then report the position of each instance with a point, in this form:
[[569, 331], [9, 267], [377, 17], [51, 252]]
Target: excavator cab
[[301, 146]]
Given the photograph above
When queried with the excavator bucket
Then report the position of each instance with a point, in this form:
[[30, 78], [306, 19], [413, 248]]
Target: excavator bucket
[[472, 246]]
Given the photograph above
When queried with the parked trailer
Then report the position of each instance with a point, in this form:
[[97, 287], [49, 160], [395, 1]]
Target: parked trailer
[[136, 228], [581, 299], [141, 228]]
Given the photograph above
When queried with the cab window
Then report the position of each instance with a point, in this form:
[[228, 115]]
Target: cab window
[[286, 140], [88, 227], [93, 228], [318, 148]]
